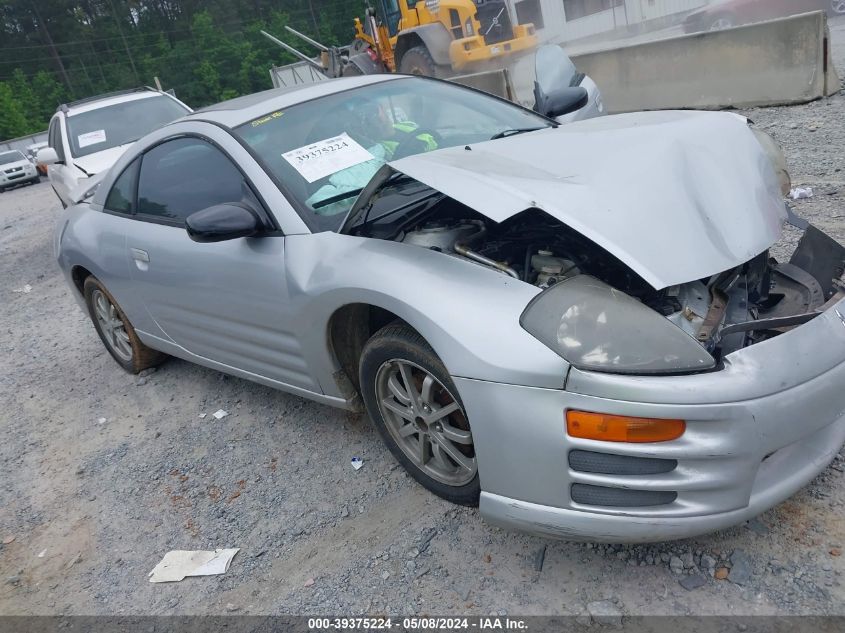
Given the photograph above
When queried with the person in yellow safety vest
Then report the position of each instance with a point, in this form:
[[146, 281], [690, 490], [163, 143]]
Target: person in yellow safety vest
[[370, 120], [369, 124]]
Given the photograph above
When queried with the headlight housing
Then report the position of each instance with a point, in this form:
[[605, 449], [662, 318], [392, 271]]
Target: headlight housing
[[469, 29], [598, 328]]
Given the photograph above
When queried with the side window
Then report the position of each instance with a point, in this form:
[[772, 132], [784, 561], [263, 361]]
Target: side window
[[185, 175], [122, 194], [54, 138]]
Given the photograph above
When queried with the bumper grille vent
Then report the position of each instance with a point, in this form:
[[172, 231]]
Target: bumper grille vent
[[605, 464], [586, 494]]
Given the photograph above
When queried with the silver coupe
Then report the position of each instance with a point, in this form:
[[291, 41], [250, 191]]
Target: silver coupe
[[577, 326]]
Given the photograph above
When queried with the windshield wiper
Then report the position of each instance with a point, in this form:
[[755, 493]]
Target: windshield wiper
[[337, 198], [394, 177], [519, 130]]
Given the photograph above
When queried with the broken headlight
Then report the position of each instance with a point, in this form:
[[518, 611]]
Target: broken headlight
[[596, 327]]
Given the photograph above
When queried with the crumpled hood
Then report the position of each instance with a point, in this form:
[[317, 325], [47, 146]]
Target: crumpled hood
[[677, 196], [101, 161]]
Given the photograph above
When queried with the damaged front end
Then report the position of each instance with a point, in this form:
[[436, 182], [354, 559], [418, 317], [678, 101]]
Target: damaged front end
[[599, 314], [649, 234], [599, 327]]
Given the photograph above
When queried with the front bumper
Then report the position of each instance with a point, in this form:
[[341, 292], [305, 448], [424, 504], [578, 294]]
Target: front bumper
[[468, 51], [757, 431], [26, 174]]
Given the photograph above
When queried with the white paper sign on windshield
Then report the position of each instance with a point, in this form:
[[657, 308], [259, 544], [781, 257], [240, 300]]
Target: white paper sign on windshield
[[91, 138], [327, 157]]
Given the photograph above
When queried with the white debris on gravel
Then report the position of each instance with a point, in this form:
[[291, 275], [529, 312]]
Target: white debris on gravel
[[801, 193], [220, 414], [178, 564]]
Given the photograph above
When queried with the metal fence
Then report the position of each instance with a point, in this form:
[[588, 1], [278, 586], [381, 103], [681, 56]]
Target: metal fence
[[22, 141]]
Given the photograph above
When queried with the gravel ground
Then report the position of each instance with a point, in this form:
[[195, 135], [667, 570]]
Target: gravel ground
[[104, 472]]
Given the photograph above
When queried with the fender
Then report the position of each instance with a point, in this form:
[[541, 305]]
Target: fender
[[435, 37], [468, 313]]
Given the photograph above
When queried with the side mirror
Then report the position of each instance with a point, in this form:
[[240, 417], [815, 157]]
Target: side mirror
[[222, 222], [47, 155], [561, 101]]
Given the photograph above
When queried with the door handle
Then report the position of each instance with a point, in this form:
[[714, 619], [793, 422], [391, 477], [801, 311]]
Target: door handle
[[139, 255], [142, 258]]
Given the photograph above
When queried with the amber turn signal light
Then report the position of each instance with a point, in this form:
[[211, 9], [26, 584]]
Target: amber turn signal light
[[621, 428]]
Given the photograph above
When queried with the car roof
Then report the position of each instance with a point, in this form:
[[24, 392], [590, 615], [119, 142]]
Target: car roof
[[95, 103], [249, 107]]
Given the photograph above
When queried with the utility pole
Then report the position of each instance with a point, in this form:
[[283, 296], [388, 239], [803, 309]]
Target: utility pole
[[125, 43], [45, 32], [314, 18]]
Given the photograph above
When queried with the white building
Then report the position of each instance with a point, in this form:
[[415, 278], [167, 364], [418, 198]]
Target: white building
[[564, 20]]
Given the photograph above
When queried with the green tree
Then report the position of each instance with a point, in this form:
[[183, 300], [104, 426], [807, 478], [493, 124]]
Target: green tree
[[13, 121]]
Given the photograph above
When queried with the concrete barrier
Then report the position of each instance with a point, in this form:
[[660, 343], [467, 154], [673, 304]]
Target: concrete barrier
[[779, 62], [496, 82]]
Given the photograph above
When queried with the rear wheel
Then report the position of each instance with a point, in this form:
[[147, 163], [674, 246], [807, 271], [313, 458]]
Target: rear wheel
[[837, 7], [115, 330], [418, 61], [417, 410]]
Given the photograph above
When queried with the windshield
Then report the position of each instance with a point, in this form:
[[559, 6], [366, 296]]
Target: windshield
[[11, 157], [121, 123], [324, 151]]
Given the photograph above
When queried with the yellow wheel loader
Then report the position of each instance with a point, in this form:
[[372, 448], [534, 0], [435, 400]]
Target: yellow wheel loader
[[437, 38]]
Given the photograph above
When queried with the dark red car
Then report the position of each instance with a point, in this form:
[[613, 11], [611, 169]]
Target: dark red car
[[724, 14]]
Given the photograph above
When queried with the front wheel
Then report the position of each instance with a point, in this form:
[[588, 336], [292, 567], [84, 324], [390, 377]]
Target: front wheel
[[416, 408], [837, 7], [418, 61]]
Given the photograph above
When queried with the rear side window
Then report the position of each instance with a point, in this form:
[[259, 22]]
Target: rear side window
[[186, 175], [122, 194]]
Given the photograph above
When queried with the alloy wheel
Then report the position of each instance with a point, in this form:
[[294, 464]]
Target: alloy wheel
[[111, 325], [837, 6], [426, 421]]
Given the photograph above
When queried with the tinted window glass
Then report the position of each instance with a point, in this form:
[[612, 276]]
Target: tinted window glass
[[122, 193], [186, 175], [121, 123]]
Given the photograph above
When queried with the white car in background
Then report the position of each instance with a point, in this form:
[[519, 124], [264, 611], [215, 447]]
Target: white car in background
[[16, 169], [87, 137]]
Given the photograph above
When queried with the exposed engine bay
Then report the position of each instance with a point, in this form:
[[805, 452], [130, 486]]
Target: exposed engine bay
[[756, 301]]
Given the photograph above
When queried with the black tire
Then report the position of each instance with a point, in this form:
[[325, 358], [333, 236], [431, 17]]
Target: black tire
[[142, 357], [398, 341], [418, 61]]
